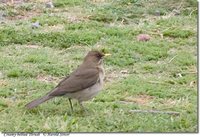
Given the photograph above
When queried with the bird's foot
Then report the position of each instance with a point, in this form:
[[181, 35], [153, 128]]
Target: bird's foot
[[83, 109]]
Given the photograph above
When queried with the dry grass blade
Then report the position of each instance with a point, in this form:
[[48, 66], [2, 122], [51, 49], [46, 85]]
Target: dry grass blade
[[155, 112]]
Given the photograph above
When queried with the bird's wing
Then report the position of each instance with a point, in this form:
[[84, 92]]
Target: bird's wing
[[76, 82]]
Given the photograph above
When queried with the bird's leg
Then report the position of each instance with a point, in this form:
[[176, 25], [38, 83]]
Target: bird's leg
[[81, 104], [70, 104]]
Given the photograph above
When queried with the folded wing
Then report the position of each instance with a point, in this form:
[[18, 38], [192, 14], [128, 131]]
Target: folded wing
[[79, 80]]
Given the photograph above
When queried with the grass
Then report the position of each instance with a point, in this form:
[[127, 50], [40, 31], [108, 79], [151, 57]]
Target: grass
[[160, 74]]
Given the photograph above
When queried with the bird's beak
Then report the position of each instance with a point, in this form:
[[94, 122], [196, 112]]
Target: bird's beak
[[107, 54]]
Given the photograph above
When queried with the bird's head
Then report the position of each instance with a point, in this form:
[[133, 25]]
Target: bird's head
[[95, 56]]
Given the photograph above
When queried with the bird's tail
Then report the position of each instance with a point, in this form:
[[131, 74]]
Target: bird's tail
[[37, 102]]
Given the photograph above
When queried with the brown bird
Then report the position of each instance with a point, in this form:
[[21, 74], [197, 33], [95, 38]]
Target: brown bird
[[82, 84]]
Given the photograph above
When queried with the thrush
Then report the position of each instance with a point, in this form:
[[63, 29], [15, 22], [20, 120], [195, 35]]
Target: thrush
[[82, 84]]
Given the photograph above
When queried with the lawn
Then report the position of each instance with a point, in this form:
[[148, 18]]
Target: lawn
[[159, 74]]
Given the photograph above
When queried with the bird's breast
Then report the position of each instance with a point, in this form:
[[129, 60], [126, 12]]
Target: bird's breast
[[90, 92], [101, 74]]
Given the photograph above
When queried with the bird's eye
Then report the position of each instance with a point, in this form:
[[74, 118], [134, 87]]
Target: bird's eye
[[99, 56]]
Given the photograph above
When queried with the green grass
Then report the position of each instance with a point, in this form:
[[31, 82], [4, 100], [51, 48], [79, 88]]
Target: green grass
[[160, 74]]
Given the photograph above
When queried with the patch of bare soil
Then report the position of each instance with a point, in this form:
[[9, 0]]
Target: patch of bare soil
[[116, 75], [75, 17], [54, 28], [139, 99], [25, 15], [3, 83], [48, 79], [32, 46], [172, 102], [12, 1], [100, 1]]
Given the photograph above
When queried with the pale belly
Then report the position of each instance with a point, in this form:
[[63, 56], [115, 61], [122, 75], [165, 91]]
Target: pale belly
[[90, 92], [87, 93]]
